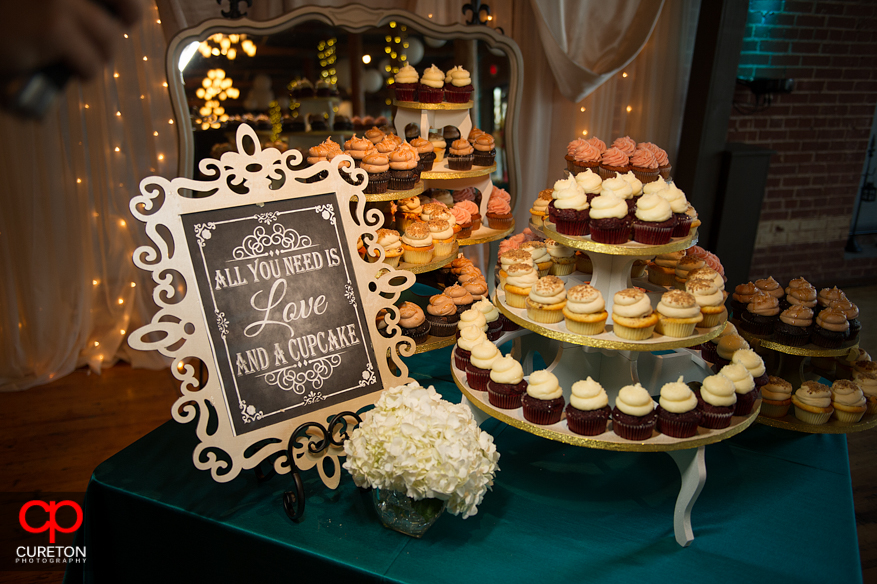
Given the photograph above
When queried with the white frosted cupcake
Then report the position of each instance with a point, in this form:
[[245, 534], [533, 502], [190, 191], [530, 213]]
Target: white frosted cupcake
[[543, 403], [585, 310], [848, 401], [563, 259], [541, 257], [510, 258], [472, 317], [443, 237], [716, 401], [868, 383], [480, 362], [632, 316], [417, 245], [588, 410], [744, 387], [507, 384], [521, 278], [711, 301], [678, 313], [466, 341], [546, 300]]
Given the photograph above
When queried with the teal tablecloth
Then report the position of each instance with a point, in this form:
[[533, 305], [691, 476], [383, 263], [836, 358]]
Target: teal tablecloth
[[776, 506]]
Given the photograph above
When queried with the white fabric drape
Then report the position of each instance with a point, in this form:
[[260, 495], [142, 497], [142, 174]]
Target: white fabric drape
[[587, 41], [70, 291]]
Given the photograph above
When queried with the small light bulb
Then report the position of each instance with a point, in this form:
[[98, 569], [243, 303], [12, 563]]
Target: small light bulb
[[122, 331], [624, 74], [583, 109], [133, 284], [122, 223], [629, 109], [117, 149], [155, 133], [144, 58], [96, 344], [121, 301], [116, 75], [161, 156], [95, 282], [126, 35], [78, 180], [118, 114]]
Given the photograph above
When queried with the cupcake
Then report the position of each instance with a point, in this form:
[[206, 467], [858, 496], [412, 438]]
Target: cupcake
[[710, 351], [771, 287], [458, 86], [475, 286], [662, 269], [709, 274], [812, 403], [507, 384], [375, 135], [546, 300], [586, 157], [744, 385], [443, 237], [405, 84], [539, 252], [438, 146], [716, 401], [408, 211], [417, 246], [801, 296], [613, 161], [846, 363], [636, 185], [378, 168], [727, 346], [539, 210], [491, 317], [761, 315], [570, 153], [357, 148], [473, 211], [678, 314], [425, 151], [632, 315], [638, 268], [588, 410], [480, 361], [634, 416], [584, 311], [402, 165], [591, 183], [499, 213], [460, 297], [316, 155], [390, 240], [485, 150], [710, 300], [741, 296], [644, 166], [520, 279], [848, 401], [794, 326], [828, 295], [469, 337], [868, 383], [609, 222], [511, 257], [678, 415], [460, 155], [664, 167], [831, 329], [463, 218], [680, 206], [571, 213], [563, 259], [684, 267], [431, 87], [474, 134], [626, 144], [753, 363], [413, 322], [776, 397], [543, 402], [442, 316], [584, 263], [623, 190], [851, 311]]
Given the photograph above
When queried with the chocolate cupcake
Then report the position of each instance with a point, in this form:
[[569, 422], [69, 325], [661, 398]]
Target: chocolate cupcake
[[413, 322], [378, 168], [634, 416], [543, 403], [742, 295], [442, 316], [507, 384], [644, 166], [458, 85], [588, 410], [716, 401], [468, 338], [831, 330], [761, 315], [609, 221], [802, 295], [460, 155], [425, 151], [480, 361], [403, 163], [462, 299], [851, 311], [485, 150], [828, 295], [794, 326], [678, 415]]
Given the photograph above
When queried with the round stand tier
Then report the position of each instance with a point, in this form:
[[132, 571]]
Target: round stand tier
[[605, 340], [792, 363], [394, 195], [832, 426], [431, 343], [631, 248], [432, 115], [416, 105], [440, 171]]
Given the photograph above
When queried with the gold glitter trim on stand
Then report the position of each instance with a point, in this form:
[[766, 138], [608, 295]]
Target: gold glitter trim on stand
[[432, 343], [832, 426], [659, 344], [659, 443], [416, 105], [394, 195], [631, 248], [809, 350], [433, 265], [486, 235], [443, 172]]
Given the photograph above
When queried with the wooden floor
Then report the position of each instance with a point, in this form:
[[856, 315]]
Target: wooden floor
[[55, 435]]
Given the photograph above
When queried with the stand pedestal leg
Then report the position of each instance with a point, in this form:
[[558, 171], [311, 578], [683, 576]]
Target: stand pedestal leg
[[692, 467]]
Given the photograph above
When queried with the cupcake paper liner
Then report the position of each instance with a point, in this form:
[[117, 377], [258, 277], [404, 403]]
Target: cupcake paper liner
[[418, 257], [715, 421], [460, 361], [543, 315], [586, 328], [847, 417], [636, 432], [574, 227], [477, 378], [677, 428], [775, 410], [505, 402], [744, 404], [810, 417], [651, 235]]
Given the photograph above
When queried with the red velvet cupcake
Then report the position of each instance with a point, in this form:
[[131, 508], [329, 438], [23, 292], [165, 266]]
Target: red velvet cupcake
[[478, 370], [405, 84], [634, 417], [608, 220], [507, 384], [543, 403], [458, 86], [716, 400], [571, 208], [588, 410], [677, 410], [467, 340], [654, 221]]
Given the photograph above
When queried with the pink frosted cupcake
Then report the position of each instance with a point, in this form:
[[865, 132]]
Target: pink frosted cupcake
[[499, 212], [664, 167], [644, 166], [626, 144], [585, 157], [613, 161]]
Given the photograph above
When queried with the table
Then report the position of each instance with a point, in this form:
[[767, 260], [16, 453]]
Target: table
[[777, 505]]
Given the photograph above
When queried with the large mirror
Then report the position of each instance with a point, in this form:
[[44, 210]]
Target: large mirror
[[319, 72]]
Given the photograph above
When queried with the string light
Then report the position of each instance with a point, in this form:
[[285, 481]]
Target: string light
[[118, 114], [171, 122], [225, 45], [366, 59], [584, 132], [122, 223], [122, 331], [86, 106], [629, 109], [117, 149], [96, 344], [624, 74], [164, 84], [155, 133], [121, 301], [116, 75], [95, 282], [78, 180], [133, 285], [216, 87], [126, 35], [144, 58], [161, 156], [583, 109]]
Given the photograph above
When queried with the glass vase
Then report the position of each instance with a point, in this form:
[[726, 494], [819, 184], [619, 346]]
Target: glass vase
[[401, 513]]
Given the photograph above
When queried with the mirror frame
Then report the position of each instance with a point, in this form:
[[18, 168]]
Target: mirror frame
[[354, 18]]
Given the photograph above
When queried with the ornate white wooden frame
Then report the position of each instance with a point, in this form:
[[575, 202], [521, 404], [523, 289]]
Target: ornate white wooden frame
[[354, 18], [179, 329]]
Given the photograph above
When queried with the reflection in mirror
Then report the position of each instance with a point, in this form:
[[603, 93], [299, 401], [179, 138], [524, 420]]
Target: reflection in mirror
[[313, 80]]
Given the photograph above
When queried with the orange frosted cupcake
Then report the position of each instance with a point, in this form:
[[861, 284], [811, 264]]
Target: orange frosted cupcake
[[460, 296], [417, 246], [632, 315], [613, 161], [644, 166], [461, 155], [546, 300], [520, 279], [485, 150]]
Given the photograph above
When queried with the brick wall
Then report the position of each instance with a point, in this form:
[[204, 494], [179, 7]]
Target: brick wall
[[820, 132]]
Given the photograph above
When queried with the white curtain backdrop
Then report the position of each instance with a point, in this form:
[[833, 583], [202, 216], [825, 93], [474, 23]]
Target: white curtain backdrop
[[71, 292]]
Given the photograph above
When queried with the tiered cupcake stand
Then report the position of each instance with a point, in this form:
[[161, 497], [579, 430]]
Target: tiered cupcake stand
[[614, 362], [439, 115], [791, 363]]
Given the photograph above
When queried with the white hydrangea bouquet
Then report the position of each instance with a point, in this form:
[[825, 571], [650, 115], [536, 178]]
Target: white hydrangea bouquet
[[416, 443]]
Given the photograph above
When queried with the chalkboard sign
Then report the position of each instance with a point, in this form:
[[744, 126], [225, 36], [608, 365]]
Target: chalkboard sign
[[286, 326], [274, 303]]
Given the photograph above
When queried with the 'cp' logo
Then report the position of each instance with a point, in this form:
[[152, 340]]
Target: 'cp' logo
[[51, 524]]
